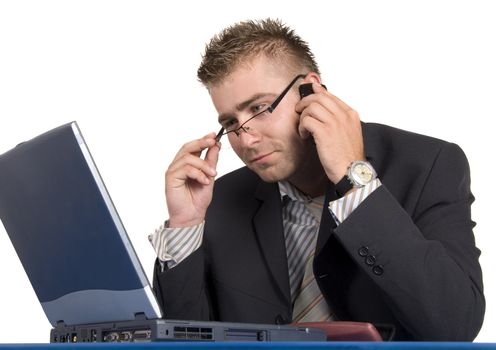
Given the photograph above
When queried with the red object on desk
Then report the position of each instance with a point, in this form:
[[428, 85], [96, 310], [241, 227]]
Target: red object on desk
[[346, 330]]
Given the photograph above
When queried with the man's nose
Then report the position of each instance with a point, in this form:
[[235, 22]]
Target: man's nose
[[248, 137]]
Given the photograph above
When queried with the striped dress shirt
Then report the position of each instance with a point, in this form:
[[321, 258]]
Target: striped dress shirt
[[173, 245]]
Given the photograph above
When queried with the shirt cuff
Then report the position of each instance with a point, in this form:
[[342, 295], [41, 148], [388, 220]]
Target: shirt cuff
[[341, 208], [173, 245]]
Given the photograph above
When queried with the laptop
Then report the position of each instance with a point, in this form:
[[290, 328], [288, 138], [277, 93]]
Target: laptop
[[79, 259]]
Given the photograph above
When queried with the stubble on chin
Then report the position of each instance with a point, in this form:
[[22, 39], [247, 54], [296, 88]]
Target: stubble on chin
[[267, 175], [279, 171]]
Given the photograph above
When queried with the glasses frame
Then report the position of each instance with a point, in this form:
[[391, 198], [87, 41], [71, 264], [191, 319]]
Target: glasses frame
[[269, 109]]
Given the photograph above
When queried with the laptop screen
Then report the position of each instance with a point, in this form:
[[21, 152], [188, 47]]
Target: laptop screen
[[67, 233]]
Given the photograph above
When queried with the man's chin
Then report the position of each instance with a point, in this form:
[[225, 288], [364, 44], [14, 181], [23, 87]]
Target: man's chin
[[270, 174]]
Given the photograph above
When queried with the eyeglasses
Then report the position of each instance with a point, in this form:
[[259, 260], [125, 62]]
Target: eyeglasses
[[237, 130]]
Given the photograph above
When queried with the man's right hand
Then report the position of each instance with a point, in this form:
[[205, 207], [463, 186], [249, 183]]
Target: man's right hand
[[189, 182]]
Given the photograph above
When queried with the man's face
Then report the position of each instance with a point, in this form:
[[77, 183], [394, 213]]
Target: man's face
[[272, 147]]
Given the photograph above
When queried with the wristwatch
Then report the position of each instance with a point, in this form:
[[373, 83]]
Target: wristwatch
[[359, 174]]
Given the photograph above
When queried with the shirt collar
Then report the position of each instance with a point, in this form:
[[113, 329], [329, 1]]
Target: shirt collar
[[287, 189]]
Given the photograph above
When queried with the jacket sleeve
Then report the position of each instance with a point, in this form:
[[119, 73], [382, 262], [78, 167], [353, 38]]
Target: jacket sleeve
[[425, 262], [181, 290]]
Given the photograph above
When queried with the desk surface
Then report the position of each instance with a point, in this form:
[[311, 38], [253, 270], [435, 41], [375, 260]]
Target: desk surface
[[260, 345]]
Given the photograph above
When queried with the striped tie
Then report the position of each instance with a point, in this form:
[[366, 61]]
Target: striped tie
[[300, 230], [310, 305]]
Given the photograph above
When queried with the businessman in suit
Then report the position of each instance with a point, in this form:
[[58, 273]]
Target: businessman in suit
[[331, 219]]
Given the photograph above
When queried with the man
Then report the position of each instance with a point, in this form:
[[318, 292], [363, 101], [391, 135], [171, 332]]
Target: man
[[331, 219]]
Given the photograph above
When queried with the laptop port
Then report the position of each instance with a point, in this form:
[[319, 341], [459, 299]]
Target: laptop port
[[125, 336], [93, 335], [142, 335], [111, 337], [245, 335]]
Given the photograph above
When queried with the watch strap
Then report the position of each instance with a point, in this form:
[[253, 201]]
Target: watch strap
[[343, 186]]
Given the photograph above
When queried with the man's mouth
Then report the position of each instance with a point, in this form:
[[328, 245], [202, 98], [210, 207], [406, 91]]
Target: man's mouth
[[260, 158]]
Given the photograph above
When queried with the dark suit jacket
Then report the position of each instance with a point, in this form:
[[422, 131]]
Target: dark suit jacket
[[406, 256]]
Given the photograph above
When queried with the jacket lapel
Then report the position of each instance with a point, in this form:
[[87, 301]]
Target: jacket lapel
[[270, 235]]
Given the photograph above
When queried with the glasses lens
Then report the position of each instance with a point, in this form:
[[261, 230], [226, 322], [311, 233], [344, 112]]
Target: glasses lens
[[247, 124], [260, 117], [233, 127]]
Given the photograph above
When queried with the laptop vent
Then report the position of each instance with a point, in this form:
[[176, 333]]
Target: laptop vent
[[193, 333]]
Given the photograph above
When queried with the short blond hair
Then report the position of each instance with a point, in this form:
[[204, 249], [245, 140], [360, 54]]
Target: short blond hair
[[243, 41]]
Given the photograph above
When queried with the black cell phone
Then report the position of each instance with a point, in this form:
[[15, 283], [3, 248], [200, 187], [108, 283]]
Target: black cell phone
[[306, 89]]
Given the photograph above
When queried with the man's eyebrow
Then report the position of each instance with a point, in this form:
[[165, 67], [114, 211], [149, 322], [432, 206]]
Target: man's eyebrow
[[241, 106]]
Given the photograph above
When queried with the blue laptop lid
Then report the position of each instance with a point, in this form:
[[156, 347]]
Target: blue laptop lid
[[67, 233]]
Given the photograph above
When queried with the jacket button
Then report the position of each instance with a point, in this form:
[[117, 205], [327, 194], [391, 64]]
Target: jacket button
[[370, 260], [378, 270], [363, 251]]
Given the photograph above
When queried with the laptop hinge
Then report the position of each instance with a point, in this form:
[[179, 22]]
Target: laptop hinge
[[60, 324], [140, 316]]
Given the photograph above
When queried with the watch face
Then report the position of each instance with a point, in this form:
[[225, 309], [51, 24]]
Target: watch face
[[362, 173]]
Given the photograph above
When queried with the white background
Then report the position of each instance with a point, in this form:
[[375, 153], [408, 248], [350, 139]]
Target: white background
[[126, 71]]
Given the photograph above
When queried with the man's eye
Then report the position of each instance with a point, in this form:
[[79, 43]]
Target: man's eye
[[229, 124], [258, 108]]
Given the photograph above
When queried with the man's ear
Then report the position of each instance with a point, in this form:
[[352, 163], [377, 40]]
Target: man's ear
[[313, 77]]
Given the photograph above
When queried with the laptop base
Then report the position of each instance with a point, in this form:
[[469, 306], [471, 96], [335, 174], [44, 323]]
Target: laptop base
[[143, 330]]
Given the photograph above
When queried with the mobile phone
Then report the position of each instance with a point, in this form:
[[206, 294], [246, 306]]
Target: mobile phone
[[306, 89]]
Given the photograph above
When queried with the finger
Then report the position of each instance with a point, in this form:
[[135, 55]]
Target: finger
[[201, 144], [193, 161], [340, 103], [197, 146], [192, 173], [187, 173], [318, 88], [330, 102], [212, 156], [319, 112], [308, 126], [305, 101], [319, 96]]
